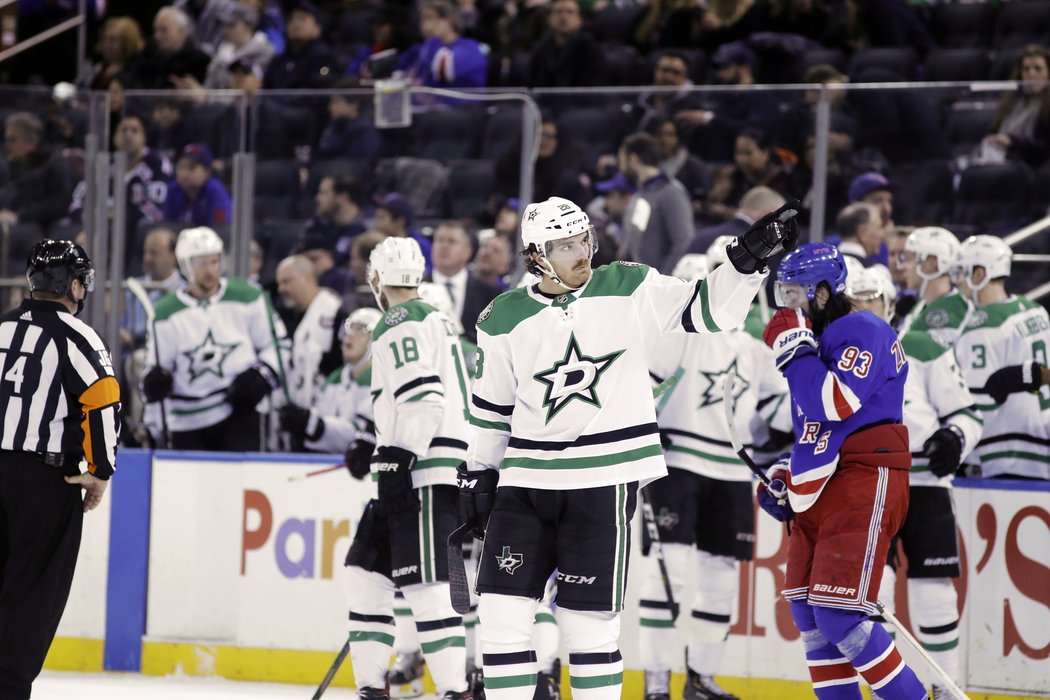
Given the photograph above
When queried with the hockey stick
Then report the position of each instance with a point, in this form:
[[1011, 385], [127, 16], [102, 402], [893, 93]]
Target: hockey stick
[[140, 293], [332, 671], [728, 404], [458, 587], [955, 690], [657, 550], [317, 472]]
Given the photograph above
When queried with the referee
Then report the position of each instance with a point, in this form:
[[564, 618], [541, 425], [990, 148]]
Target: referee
[[60, 404]]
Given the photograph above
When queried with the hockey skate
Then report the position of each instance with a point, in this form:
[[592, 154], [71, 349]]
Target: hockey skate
[[373, 694], [405, 677], [548, 685], [699, 687], [657, 685], [476, 683], [454, 695], [939, 692]]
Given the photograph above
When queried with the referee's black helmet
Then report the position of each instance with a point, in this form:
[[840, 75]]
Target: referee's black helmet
[[53, 265]]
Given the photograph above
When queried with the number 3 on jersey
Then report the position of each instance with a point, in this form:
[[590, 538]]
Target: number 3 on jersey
[[855, 360]]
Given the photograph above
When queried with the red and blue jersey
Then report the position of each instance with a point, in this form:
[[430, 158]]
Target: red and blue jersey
[[855, 380]]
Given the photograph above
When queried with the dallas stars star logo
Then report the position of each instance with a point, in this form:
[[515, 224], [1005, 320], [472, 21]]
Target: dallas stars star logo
[[575, 376], [509, 561], [208, 357], [716, 382]]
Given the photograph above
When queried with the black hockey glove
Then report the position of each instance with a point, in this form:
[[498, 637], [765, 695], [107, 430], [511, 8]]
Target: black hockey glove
[[394, 465], [772, 234], [1014, 379], [248, 388], [157, 384], [295, 420], [944, 448], [358, 457], [477, 496]]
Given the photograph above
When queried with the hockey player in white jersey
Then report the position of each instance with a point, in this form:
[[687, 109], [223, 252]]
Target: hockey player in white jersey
[[704, 507], [926, 261], [566, 426], [216, 341], [419, 394], [1002, 353], [943, 428]]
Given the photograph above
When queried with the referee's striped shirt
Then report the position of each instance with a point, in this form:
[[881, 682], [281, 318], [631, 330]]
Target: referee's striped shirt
[[57, 389]]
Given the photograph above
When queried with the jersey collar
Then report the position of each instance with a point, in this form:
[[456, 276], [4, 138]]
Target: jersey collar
[[558, 301], [189, 300]]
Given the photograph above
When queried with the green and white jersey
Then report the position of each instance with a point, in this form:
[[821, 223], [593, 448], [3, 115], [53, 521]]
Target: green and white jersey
[[942, 318], [935, 395], [691, 414], [562, 396], [316, 337], [1016, 437], [344, 404], [205, 344], [420, 389]]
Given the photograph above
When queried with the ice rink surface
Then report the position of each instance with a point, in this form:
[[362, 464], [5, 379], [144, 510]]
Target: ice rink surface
[[54, 685]]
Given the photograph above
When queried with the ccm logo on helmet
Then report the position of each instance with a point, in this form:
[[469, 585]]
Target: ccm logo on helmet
[[836, 590]]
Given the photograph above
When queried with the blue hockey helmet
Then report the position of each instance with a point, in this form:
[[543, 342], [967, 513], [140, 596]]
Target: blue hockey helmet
[[809, 265]]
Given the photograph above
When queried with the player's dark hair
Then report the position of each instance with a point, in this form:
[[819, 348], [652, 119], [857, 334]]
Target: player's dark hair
[[644, 146], [530, 265], [837, 306]]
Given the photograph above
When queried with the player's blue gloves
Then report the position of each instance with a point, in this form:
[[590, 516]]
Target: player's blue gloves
[[394, 465], [1014, 380], [477, 496], [771, 235], [790, 335], [774, 498]]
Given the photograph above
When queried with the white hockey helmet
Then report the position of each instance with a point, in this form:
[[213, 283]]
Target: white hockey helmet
[[395, 262], [716, 252], [543, 223], [869, 283], [989, 252], [365, 316], [932, 241], [194, 243], [691, 267], [437, 295]]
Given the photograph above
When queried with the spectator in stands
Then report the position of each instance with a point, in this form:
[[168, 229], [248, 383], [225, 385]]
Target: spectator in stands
[[120, 43], [559, 171], [351, 132], [669, 23], [393, 217], [671, 71], [567, 56], [713, 129], [862, 232], [875, 189], [207, 17], [256, 262], [314, 245], [679, 163], [447, 59], [756, 203], [518, 28], [196, 196], [241, 41], [167, 130], [390, 32], [727, 21], [658, 224], [309, 61], [609, 207], [495, 259], [271, 22], [800, 183], [36, 182], [754, 163], [339, 213], [453, 249], [171, 53], [506, 220], [1021, 126], [798, 123], [360, 251]]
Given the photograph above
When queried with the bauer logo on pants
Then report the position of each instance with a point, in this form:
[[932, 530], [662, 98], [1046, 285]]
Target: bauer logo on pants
[[509, 561]]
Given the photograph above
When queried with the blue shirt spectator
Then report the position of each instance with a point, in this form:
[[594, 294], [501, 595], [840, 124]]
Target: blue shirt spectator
[[446, 59], [349, 134], [196, 196]]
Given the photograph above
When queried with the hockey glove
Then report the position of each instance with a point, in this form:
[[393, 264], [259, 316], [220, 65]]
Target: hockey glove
[[248, 388], [790, 335], [1014, 379], [771, 235], [294, 420], [394, 465], [157, 384], [774, 498], [477, 496], [358, 457], [944, 448]]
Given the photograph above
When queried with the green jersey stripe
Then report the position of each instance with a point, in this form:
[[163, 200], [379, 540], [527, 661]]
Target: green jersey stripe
[[585, 462]]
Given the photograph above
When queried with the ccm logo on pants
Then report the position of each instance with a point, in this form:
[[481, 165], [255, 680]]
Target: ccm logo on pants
[[573, 578]]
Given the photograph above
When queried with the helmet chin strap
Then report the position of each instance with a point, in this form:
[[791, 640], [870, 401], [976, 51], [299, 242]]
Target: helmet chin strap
[[545, 265]]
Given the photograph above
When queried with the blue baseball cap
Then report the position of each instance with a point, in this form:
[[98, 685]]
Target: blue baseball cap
[[617, 183], [866, 183]]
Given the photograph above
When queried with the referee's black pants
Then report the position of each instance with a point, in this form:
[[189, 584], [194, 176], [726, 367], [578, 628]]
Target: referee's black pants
[[40, 524]]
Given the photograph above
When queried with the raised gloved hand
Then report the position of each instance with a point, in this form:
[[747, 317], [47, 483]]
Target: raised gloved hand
[[394, 465], [358, 456], [1014, 379], [944, 448], [774, 498], [774, 233], [248, 388], [477, 496], [157, 384], [294, 419], [790, 335]]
